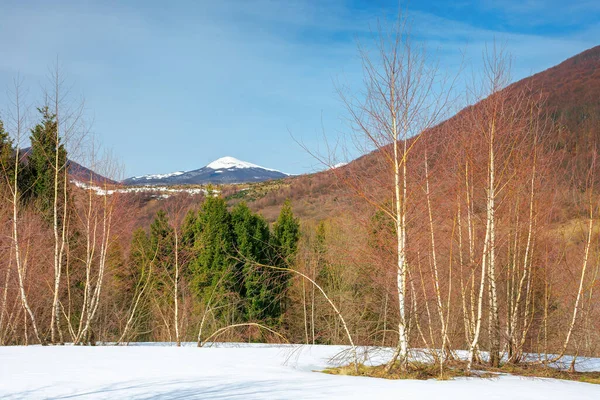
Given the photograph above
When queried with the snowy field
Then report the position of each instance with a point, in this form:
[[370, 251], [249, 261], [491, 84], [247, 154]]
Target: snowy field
[[236, 372]]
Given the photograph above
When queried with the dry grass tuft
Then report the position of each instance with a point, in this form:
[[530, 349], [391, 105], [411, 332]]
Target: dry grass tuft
[[541, 371], [418, 371], [425, 371]]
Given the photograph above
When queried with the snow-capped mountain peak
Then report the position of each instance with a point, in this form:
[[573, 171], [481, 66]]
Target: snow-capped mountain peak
[[232, 162], [223, 170]]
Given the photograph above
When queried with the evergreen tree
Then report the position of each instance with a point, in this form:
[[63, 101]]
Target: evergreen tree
[[140, 253], [189, 231], [7, 161], [224, 249], [162, 242], [213, 246], [252, 238], [286, 234], [320, 250], [42, 162]]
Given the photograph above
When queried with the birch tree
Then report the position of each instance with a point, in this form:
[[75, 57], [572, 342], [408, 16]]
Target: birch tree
[[404, 95], [18, 119], [67, 127]]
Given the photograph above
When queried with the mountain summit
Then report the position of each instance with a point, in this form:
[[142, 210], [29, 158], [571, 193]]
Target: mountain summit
[[231, 162], [223, 170]]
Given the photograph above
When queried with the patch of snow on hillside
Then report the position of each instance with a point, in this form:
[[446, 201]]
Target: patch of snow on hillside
[[160, 191], [158, 176], [338, 165]]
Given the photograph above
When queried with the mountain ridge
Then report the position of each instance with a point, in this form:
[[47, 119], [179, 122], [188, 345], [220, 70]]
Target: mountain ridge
[[223, 170]]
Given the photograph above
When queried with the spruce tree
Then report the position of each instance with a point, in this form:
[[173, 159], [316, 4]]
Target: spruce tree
[[42, 162], [189, 231], [213, 246], [252, 238], [286, 234], [162, 242]]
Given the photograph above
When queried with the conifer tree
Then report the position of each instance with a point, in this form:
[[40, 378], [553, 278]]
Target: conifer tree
[[252, 237], [189, 231], [41, 162], [162, 241], [140, 250], [212, 248], [7, 163], [286, 234], [6, 157]]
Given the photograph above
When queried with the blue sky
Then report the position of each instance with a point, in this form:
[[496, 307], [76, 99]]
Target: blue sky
[[173, 85]]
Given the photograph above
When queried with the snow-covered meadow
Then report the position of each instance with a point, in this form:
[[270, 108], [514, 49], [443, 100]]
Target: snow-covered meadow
[[151, 371]]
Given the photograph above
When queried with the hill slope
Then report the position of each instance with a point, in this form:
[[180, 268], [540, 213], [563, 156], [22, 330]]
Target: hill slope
[[572, 103], [77, 172]]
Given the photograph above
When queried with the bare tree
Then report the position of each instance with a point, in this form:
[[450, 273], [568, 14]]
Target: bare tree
[[141, 289], [18, 119], [585, 263], [487, 125], [404, 96], [98, 222], [68, 126]]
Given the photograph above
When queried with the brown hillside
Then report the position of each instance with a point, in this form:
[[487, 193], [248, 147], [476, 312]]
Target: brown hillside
[[571, 93]]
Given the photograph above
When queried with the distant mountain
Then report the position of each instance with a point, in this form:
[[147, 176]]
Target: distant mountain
[[77, 172], [80, 173], [223, 170]]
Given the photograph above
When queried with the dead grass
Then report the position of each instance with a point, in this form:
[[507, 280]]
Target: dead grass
[[540, 371], [455, 369], [418, 371]]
